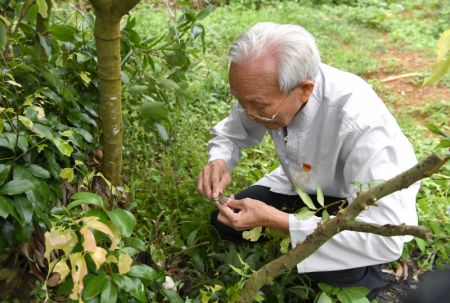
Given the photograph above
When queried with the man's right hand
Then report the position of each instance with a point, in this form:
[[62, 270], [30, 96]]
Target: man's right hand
[[213, 179]]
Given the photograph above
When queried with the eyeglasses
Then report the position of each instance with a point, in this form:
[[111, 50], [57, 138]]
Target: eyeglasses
[[260, 118]]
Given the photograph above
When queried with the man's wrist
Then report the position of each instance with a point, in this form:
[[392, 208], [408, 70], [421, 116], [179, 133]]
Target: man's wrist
[[277, 219]]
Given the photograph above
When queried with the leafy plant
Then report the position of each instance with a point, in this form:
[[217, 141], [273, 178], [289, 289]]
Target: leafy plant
[[97, 251]]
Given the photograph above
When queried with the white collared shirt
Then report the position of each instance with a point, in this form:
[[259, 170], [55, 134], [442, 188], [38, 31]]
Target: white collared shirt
[[343, 134]]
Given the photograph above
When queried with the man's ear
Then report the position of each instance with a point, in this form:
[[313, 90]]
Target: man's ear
[[306, 88]]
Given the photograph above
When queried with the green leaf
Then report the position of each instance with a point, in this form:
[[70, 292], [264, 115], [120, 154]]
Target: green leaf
[[94, 286], [24, 210], [4, 171], [324, 298], [444, 144], [26, 122], [3, 36], [42, 8], [325, 216], [172, 295], [16, 187], [63, 146], [353, 293], [284, 245], [109, 293], [320, 197], [138, 89], [252, 234], [136, 243], [329, 289], [170, 84], [22, 143], [143, 272], [67, 174], [82, 198], [39, 171], [43, 131], [304, 214], [436, 130], [442, 64], [154, 111], [123, 220], [162, 132], [305, 198], [204, 12], [85, 134], [421, 244], [5, 206], [62, 32]]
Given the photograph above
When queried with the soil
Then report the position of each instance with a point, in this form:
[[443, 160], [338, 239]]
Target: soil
[[396, 289], [406, 91]]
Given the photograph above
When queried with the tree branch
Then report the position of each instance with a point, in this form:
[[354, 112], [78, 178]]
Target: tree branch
[[345, 219], [388, 230]]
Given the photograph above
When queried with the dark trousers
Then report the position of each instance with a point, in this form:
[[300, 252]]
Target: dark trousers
[[368, 277]]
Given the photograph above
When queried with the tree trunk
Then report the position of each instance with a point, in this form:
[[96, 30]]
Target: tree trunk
[[107, 36]]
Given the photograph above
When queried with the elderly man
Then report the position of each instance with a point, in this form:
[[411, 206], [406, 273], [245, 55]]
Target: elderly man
[[329, 129]]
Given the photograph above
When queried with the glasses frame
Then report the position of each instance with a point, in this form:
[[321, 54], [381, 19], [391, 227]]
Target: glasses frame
[[261, 118]]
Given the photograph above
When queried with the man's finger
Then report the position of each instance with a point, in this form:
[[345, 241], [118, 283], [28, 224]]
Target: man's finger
[[223, 182], [215, 185], [207, 182], [200, 183], [236, 204], [221, 218]]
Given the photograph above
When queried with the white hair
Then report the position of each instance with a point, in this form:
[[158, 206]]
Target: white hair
[[294, 48]]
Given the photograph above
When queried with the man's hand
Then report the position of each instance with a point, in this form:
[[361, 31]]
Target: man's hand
[[252, 213], [213, 179]]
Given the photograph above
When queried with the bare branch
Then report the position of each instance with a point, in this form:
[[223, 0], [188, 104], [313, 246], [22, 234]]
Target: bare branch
[[388, 230]]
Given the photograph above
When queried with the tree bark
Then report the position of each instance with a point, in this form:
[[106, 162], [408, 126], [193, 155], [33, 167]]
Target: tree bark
[[107, 36], [345, 220]]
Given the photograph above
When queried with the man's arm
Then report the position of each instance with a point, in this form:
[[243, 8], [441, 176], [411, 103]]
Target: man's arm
[[229, 136]]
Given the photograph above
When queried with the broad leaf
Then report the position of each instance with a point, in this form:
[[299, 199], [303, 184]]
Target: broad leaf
[[284, 245], [4, 171], [15, 187], [63, 270], [5, 206], [324, 298], [124, 264], [305, 198], [62, 32], [39, 171], [79, 271], [143, 271], [94, 223], [42, 8], [123, 220], [109, 293], [83, 198], [63, 146], [252, 234], [94, 286], [304, 214], [67, 174], [154, 111]]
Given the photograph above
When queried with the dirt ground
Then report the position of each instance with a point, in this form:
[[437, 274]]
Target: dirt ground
[[400, 75]]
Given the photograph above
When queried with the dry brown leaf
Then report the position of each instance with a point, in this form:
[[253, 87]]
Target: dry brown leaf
[[79, 271], [89, 244], [99, 257]]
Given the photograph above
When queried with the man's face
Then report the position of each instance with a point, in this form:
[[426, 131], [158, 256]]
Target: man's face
[[255, 85]]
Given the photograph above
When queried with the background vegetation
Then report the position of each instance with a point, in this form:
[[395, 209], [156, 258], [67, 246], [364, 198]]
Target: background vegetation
[[175, 88]]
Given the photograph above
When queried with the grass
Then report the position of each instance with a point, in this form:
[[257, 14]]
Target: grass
[[174, 219]]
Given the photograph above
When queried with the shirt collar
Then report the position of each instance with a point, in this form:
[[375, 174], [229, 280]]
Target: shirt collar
[[303, 119]]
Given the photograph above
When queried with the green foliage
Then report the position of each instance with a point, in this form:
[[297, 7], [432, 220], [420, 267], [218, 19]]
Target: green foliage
[[47, 113], [332, 294], [97, 251]]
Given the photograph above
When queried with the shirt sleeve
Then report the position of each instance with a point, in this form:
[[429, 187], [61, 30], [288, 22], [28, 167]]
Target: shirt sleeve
[[231, 134], [376, 154]]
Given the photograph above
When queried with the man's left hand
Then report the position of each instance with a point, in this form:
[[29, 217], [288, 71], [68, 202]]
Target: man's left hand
[[252, 213]]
